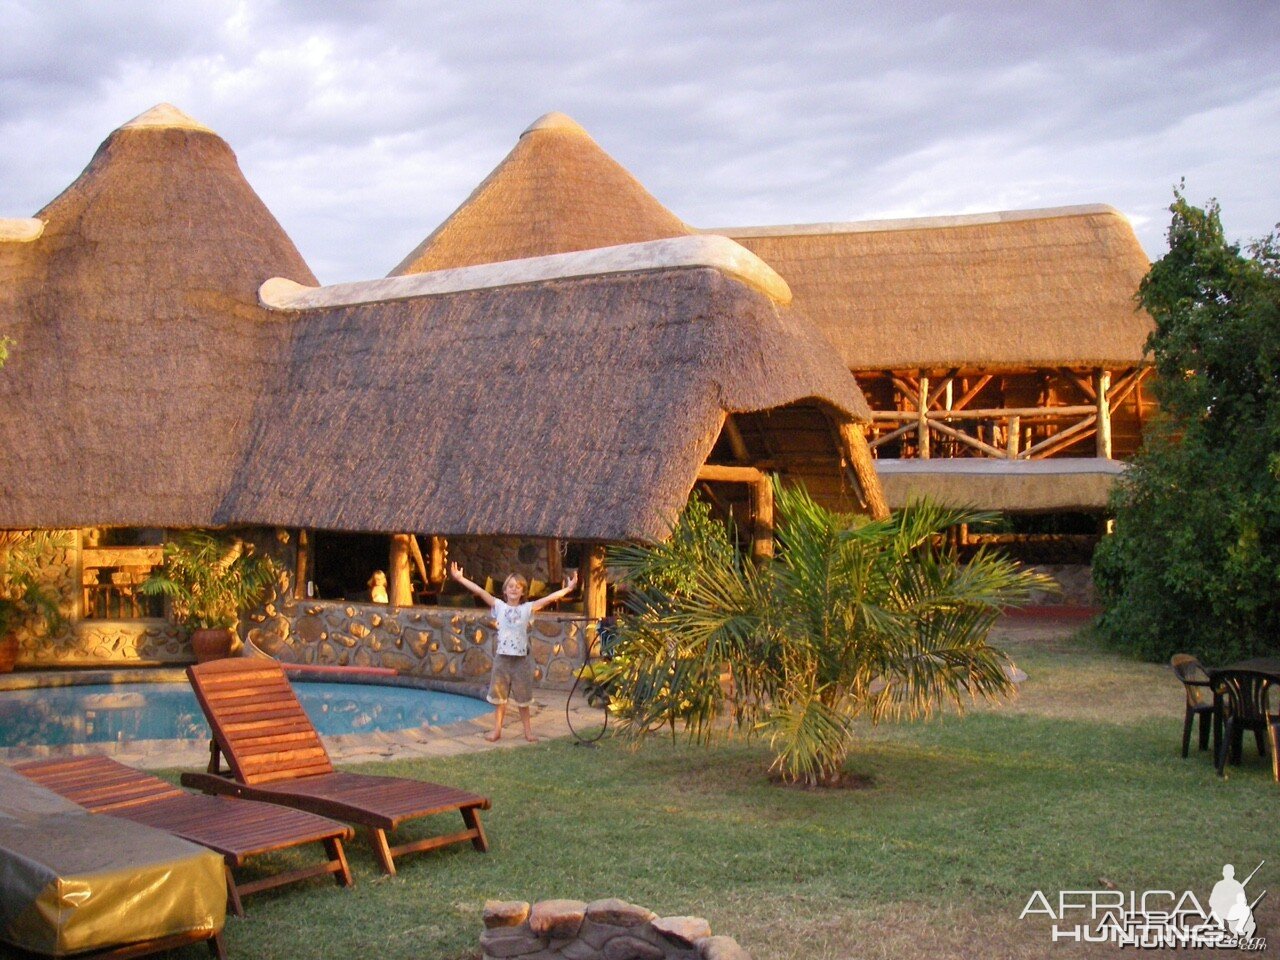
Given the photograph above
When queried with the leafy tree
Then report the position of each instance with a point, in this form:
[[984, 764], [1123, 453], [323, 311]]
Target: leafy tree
[[1195, 560], [851, 618]]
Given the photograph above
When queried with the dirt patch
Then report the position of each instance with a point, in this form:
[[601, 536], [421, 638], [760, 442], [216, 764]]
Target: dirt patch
[[846, 781]]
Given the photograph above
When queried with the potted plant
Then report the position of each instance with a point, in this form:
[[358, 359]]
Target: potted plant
[[208, 580], [22, 590]]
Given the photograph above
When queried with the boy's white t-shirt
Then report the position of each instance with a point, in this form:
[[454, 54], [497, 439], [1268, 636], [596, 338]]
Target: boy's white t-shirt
[[513, 627]]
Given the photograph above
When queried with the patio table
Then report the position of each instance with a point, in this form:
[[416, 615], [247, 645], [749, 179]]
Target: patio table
[[1269, 666]]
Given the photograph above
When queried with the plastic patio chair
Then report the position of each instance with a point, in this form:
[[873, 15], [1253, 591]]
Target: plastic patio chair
[[1243, 694], [1270, 697], [1199, 691]]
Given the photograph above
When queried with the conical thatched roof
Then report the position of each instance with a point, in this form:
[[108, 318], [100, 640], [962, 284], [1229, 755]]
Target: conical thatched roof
[[568, 406], [1001, 290], [140, 343], [555, 192]]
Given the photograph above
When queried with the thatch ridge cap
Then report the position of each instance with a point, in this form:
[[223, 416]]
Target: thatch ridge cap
[[556, 121], [21, 229], [165, 116], [716, 252], [916, 223]]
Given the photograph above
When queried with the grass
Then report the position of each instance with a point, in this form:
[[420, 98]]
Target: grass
[[1078, 784]]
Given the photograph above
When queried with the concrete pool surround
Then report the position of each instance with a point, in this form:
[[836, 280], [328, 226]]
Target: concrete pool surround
[[467, 736]]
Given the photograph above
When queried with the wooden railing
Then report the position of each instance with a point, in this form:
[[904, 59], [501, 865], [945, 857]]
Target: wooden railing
[[929, 411]]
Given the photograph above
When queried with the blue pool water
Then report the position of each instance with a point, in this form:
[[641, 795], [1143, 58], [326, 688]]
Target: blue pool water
[[122, 712]]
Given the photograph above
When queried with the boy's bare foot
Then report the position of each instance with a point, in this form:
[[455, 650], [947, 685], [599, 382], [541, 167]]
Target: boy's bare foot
[[493, 737], [531, 738]]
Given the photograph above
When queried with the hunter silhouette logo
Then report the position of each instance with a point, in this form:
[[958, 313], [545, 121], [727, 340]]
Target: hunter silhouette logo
[[1155, 919]]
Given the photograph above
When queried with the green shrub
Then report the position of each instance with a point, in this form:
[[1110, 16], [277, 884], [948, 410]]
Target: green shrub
[[1194, 564]]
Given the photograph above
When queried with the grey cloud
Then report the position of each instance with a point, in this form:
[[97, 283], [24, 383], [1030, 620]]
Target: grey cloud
[[364, 124]]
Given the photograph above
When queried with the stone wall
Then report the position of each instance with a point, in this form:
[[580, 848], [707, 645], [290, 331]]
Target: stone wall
[[600, 930], [442, 642], [1075, 581], [500, 556]]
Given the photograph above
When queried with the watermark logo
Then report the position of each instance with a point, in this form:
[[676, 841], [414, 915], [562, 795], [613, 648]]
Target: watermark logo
[[1154, 919]]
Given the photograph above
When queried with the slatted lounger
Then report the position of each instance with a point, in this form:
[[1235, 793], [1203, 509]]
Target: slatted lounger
[[276, 755], [237, 829]]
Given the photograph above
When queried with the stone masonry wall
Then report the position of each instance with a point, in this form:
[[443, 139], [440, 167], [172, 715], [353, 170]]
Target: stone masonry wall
[[600, 930], [450, 644]]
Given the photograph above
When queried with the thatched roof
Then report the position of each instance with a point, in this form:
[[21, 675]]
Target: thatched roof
[[574, 395], [557, 191], [576, 407], [1001, 290], [1018, 486], [140, 343]]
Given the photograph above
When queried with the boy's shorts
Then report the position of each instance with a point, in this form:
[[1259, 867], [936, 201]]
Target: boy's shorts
[[512, 679]]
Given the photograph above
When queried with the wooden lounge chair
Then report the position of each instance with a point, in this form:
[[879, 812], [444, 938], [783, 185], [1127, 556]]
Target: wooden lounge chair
[[276, 755], [237, 829]]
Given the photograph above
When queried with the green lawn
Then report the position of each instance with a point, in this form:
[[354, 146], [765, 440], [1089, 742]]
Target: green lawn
[[1075, 785]]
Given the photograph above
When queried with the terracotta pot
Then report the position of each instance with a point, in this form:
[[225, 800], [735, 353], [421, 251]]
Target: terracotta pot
[[212, 644], [8, 653]]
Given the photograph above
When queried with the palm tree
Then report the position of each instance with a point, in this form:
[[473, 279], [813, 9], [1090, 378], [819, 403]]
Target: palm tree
[[851, 618]]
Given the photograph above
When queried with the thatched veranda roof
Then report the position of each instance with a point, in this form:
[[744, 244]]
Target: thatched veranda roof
[[576, 407], [140, 343], [995, 291], [557, 191]]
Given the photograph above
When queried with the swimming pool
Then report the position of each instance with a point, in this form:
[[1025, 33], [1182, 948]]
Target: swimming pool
[[124, 712]]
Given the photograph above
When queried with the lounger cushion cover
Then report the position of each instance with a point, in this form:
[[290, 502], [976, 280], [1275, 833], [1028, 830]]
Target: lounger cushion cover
[[71, 881]]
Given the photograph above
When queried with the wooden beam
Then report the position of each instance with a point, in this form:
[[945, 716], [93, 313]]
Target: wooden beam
[[1102, 383], [1120, 392], [1086, 387], [1060, 440], [971, 441], [399, 590], [736, 442], [972, 392], [724, 473], [901, 431], [909, 390], [594, 585], [858, 453], [762, 519], [942, 388], [985, 413], [1013, 437]]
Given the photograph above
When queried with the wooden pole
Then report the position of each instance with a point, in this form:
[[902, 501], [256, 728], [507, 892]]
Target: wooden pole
[[555, 566], [418, 562], [858, 453], [1101, 386], [1015, 436], [399, 591], [593, 581], [922, 417], [439, 556], [302, 565], [762, 516], [736, 442]]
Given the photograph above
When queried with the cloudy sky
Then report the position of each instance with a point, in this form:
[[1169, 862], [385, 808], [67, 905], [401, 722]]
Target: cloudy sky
[[364, 124]]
